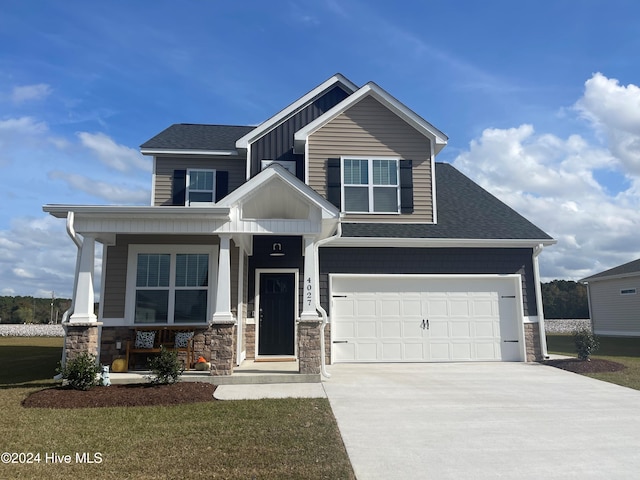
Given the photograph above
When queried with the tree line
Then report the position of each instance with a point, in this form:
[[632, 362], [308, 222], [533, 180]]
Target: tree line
[[560, 298], [32, 310]]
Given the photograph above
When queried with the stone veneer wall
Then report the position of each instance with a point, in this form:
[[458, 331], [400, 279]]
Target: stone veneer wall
[[222, 348], [81, 337], [250, 336], [327, 344], [532, 342], [309, 347]]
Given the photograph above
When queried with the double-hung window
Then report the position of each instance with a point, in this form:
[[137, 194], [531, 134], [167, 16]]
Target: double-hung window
[[370, 185], [201, 187], [170, 284]]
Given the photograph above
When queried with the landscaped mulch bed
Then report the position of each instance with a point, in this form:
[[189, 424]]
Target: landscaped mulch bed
[[595, 365], [133, 395]]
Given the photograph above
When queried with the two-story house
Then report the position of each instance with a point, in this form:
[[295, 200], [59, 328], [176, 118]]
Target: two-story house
[[328, 233]]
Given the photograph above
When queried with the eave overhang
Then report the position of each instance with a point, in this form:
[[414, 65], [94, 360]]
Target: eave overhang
[[438, 138], [161, 152], [438, 242], [133, 212]]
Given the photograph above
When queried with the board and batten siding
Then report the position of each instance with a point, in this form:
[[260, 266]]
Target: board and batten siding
[[369, 129], [613, 313], [235, 165], [116, 268]]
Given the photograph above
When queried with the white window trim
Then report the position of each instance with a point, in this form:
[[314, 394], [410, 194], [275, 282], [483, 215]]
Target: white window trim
[[628, 291], [288, 165], [370, 186], [173, 250], [187, 200]]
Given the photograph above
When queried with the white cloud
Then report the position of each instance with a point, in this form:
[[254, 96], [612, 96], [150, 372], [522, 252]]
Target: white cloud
[[42, 257], [108, 191], [30, 92], [614, 110], [119, 157], [551, 181], [22, 126]]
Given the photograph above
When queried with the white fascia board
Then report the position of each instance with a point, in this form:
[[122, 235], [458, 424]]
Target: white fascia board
[[435, 242], [610, 277], [160, 152], [371, 89], [247, 189], [132, 212], [283, 114]]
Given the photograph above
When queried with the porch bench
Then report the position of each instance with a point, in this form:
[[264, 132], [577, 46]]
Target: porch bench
[[151, 339]]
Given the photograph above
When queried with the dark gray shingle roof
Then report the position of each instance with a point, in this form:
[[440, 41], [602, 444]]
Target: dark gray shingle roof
[[627, 268], [465, 211], [189, 136]]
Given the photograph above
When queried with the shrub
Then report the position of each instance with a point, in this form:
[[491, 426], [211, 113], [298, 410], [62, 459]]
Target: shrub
[[81, 371], [586, 343], [165, 368]]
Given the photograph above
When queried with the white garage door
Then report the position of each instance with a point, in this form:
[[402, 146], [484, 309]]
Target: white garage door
[[403, 318]]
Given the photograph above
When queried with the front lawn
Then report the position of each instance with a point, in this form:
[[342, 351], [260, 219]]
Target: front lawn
[[292, 438], [623, 350]]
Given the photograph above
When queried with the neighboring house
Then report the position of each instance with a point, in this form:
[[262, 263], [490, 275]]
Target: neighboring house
[[328, 233], [614, 300]]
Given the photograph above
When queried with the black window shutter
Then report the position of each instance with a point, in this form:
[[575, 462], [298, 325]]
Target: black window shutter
[[179, 187], [406, 186], [334, 181], [222, 184]]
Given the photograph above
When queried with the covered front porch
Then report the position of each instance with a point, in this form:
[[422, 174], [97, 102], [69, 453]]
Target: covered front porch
[[251, 295]]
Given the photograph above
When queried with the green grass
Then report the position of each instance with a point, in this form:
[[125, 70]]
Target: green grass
[[625, 350], [291, 438]]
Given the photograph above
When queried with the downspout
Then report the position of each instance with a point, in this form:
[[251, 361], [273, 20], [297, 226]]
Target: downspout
[[319, 308], [65, 316], [537, 250]]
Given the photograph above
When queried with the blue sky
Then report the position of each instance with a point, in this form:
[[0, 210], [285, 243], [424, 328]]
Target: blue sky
[[539, 100]]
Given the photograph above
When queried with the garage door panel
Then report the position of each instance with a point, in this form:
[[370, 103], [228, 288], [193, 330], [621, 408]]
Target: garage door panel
[[413, 319]]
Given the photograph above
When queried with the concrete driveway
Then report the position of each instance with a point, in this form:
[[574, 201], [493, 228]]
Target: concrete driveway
[[484, 421]]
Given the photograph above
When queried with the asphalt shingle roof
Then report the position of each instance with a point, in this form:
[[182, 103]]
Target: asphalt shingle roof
[[465, 211], [189, 136], [627, 268]]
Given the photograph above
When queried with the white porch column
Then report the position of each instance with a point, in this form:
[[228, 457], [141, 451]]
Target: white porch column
[[310, 279], [222, 312], [83, 296]]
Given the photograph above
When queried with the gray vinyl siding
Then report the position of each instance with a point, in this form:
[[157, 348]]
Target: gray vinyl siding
[[235, 165], [277, 144], [429, 261], [369, 129], [116, 267], [613, 312]]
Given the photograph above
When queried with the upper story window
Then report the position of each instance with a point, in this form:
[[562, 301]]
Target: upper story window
[[370, 185], [201, 187]]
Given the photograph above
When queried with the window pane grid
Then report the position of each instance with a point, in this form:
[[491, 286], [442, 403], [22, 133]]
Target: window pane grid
[[370, 185], [201, 186]]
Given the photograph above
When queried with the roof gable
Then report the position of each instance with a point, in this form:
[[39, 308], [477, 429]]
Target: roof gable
[[275, 120], [438, 138]]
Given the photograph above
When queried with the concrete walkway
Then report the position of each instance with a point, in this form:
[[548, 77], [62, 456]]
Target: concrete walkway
[[484, 421]]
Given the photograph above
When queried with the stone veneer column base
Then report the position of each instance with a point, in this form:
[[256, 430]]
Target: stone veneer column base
[[309, 346], [81, 337], [222, 347], [532, 342]]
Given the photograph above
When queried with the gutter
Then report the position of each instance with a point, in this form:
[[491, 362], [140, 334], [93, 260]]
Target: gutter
[[537, 250], [319, 308], [65, 316]]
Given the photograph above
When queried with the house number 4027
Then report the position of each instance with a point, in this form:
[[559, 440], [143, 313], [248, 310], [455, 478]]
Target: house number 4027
[[307, 294]]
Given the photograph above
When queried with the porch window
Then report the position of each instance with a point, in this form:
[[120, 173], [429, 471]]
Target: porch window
[[201, 187], [370, 185], [170, 286]]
